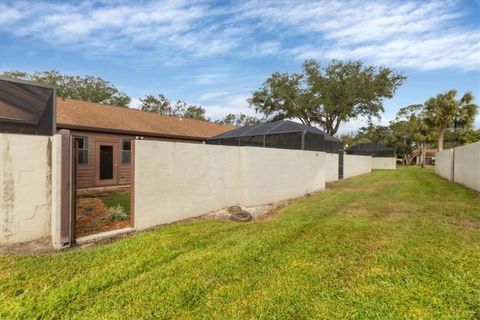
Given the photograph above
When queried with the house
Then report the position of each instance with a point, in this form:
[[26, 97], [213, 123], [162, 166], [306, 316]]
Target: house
[[429, 156], [102, 134]]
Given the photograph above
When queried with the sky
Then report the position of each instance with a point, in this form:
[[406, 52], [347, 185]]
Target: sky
[[215, 53]]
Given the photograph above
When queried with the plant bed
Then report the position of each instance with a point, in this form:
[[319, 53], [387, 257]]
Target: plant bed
[[93, 216]]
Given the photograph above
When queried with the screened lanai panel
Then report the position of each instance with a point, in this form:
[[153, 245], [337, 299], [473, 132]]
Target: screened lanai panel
[[229, 142], [284, 140], [255, 141], [26, 107], [314, 142], [280, 134], [372, 149]]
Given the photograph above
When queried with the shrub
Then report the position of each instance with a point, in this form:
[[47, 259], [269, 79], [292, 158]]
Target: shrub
[[118, 213]]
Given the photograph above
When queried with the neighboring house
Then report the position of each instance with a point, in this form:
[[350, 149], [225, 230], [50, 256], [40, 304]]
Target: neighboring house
[[103, 134], [429, 156]]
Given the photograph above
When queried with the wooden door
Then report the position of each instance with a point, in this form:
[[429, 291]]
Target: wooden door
[[106, 159]]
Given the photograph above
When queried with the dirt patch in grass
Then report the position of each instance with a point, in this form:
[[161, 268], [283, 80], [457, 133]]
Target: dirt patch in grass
[[467, 223], [263, 212], [392, 211], [274, 211], [357, 210], [42, 245]]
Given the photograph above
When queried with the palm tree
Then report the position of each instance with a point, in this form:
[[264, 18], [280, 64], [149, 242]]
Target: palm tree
[[444, 110]]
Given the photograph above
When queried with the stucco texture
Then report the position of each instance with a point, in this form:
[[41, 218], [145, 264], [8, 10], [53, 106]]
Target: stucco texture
[[467, 165], [176, 181], [354, 165], [25, 187], [331, 167], [385, 163], [444, 164]]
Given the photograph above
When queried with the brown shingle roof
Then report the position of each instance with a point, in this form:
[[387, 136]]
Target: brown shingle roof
[[428, 153], [74, 114]]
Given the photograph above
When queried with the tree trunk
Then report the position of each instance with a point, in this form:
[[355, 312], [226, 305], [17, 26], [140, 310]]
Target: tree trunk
[[441, 136], [424, 154], [337, 125], [409, 160], [419, 153]]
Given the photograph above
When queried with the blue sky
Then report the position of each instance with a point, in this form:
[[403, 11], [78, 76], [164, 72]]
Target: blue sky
[[216, 53]]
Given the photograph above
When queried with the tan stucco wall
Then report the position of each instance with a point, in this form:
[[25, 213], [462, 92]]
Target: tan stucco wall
[[467, 165], [331, 167], [269, 175], [25, 187], [176, 181], [354, 165], [389, 163], [444, 164]]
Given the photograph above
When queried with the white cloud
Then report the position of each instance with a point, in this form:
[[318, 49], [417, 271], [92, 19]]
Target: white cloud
[[412, 34], [220, 103], [208, 78], [135, 103], [122, 28]]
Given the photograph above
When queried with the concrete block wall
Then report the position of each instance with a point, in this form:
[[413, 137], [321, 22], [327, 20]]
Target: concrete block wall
[[354, 165], [331, 167], [176, 181], [460, 165], [25, 187], [388, 163], [444, 164], [466, 165], [269, 175]]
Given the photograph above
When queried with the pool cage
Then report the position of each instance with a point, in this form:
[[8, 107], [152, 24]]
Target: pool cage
[[26, 107], [280, 134], [371, 149]]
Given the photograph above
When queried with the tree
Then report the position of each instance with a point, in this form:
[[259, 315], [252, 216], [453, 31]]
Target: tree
[[461, 136], [419, 130], [88, 88], [402, 139], [195, 112], [239, 120], [371, 133], [327, 96], [163, 106], [444, 110], [159, 105]]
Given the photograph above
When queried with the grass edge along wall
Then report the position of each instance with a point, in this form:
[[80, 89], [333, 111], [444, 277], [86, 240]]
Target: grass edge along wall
[[392, 243], [175, 181], [36, 168]]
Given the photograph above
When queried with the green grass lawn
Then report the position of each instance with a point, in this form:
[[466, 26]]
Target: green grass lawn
[[393, 244], [122, 200]]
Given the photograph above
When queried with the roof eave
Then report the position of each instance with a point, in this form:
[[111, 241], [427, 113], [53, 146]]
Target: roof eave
[[129, 132]]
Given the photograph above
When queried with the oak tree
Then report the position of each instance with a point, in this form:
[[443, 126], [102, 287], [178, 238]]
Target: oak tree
[[328, 96]]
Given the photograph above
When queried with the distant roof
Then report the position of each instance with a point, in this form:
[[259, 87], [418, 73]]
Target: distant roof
[[81, 115], [283, 126], [428, 152]]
